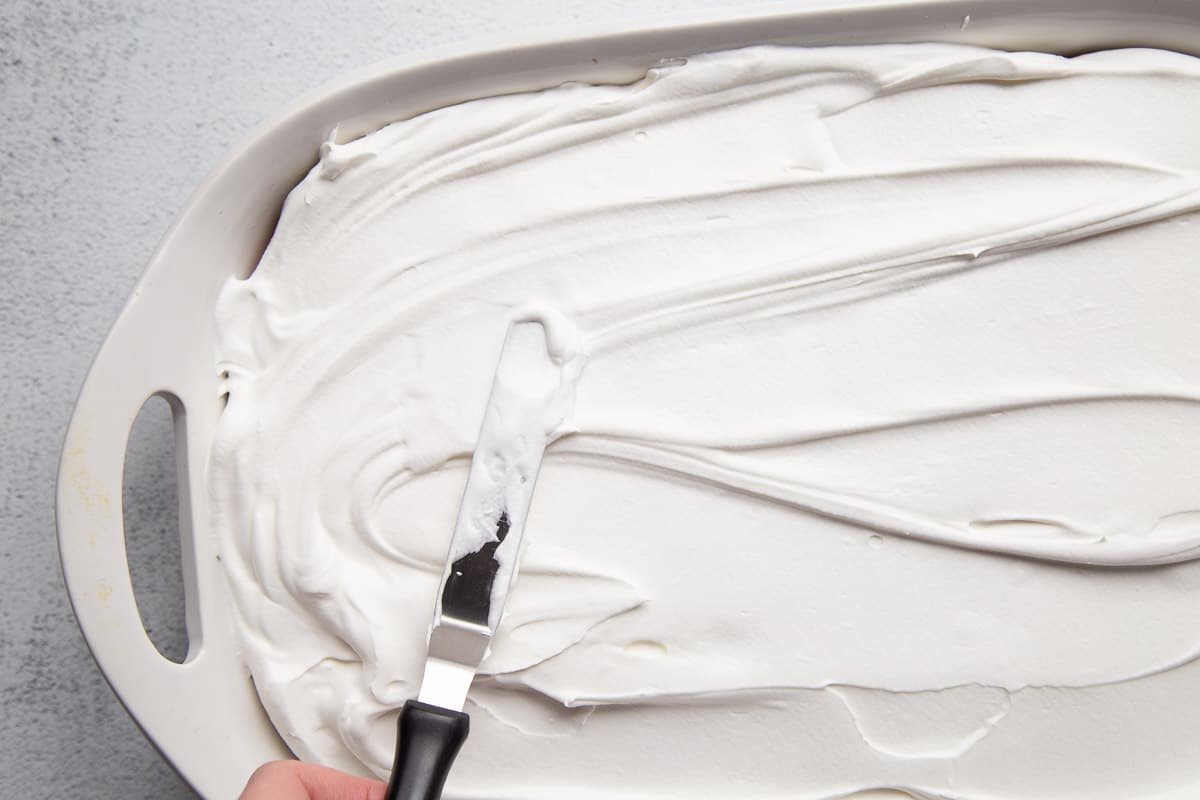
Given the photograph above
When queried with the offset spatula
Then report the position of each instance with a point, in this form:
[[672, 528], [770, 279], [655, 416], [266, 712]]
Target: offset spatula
[[480, 564]]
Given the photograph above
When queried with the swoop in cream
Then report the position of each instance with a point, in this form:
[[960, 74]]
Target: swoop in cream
[[877, 466]]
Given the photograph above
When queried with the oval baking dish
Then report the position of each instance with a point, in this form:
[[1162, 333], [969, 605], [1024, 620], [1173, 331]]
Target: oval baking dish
[[204, 714]]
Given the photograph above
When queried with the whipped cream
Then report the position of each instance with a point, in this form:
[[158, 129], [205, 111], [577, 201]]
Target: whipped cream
[[878, 466]]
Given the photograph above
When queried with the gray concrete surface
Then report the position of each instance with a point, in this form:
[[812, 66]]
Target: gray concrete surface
[[112, 114]]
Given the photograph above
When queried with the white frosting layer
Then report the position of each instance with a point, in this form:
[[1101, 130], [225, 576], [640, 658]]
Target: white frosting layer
[[881, 466]]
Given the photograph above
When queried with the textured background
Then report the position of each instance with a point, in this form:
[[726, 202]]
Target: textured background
[[113, 111]]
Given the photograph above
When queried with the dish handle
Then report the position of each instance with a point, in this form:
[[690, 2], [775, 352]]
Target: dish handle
[[192, 706]]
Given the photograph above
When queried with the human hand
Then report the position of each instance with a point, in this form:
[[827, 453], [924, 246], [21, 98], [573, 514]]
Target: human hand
[[295, 780]]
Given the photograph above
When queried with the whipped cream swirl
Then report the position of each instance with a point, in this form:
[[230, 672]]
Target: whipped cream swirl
[[879, 469]]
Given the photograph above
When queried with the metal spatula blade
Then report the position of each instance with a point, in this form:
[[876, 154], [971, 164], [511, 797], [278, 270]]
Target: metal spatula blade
[[480, 564]]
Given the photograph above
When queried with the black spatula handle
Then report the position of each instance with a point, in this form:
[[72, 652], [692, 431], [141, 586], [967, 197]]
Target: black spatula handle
[[427, 740]]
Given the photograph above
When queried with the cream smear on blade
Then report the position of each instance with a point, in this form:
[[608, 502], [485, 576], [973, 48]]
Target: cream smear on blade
[[876, 458]]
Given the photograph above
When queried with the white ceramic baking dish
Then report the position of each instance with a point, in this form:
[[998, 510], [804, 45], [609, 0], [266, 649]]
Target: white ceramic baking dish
[[204, 714]]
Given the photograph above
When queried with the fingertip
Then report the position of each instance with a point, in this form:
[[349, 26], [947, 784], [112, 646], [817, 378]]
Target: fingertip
[[274, 779], [295, 780]]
